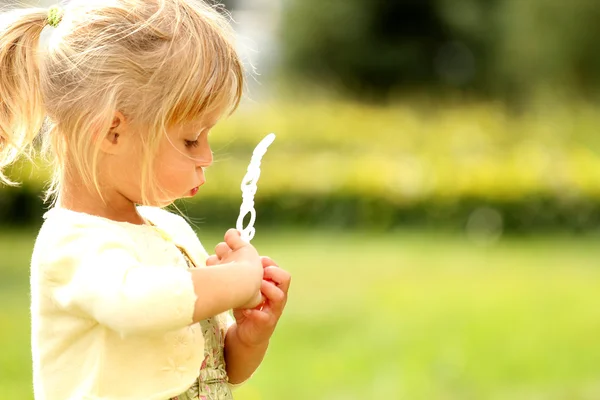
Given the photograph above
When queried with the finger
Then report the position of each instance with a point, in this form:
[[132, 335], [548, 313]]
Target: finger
[[279, 276], [260, 316], [264, 308], [234, 239], [262, 302], [222, 249], [276, 298], [259, 307], [212, 260], [267, 262], [247, 311]]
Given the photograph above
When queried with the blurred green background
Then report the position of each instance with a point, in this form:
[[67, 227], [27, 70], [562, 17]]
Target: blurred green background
[[434, 190]]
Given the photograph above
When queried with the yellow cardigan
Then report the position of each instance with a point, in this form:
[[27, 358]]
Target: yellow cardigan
[[112, 306]]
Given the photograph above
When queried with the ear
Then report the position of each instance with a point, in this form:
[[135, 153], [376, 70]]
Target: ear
[[113, 140]]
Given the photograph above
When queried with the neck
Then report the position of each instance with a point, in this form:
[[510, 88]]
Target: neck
[[111, 205]]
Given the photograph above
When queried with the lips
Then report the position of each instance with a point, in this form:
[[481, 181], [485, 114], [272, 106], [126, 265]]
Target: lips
[[195, 190]]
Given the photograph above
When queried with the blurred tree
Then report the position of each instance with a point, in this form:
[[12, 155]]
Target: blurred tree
[[473, 33], [508, 48], [365, 46], [550, 43]]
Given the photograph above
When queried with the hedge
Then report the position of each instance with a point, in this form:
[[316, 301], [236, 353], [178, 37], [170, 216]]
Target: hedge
[[344, 164]]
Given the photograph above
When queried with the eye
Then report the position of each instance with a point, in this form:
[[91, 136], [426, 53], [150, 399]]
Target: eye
[[191, 143]]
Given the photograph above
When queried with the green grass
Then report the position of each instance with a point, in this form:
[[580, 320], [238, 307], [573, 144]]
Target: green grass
[[405, 315]]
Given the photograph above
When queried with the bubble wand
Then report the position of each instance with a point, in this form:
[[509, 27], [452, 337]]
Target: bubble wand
[[249, 189]]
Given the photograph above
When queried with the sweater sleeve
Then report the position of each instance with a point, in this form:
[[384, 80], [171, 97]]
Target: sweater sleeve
[[104, 280]]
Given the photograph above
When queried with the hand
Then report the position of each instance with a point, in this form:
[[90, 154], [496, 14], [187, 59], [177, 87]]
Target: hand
[[256, 326], [233, 250]]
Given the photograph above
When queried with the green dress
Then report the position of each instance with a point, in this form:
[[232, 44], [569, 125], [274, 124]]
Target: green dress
[[212, 382]]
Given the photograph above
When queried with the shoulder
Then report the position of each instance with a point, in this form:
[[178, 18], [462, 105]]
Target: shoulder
[[68, 240], [165, 220], [63, 226], [177, 229]]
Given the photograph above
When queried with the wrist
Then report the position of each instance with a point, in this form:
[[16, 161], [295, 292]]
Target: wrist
[[259, 345]]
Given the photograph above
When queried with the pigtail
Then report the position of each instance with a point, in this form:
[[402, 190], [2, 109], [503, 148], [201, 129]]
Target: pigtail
[[22, 111]]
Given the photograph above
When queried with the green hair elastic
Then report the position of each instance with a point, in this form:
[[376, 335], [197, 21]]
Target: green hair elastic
[[55, 15]]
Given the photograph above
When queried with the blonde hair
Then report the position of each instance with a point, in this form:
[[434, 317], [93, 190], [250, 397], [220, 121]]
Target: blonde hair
[[159, 62]]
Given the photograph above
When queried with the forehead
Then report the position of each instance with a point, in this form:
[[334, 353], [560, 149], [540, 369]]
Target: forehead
[[206, 121]]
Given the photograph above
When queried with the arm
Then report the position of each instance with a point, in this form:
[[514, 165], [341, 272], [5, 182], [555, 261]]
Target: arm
[[104, 280], [242, 359], [247, 339], [234, 283], [224, 287]]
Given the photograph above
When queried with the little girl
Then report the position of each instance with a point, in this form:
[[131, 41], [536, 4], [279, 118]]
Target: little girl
[[126, 304]]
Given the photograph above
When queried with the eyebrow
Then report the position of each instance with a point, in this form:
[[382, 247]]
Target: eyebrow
[[204, 128]]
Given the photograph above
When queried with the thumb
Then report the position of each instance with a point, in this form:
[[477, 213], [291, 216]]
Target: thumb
[[233, 238], [212, 260]]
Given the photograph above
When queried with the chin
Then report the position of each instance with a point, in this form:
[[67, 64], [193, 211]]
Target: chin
[[163, 199], [160, 203]]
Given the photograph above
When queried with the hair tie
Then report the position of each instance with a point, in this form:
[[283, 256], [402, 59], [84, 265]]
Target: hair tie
[[55, 15]]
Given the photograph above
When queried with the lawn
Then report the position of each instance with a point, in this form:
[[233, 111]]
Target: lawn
[[404, 315]]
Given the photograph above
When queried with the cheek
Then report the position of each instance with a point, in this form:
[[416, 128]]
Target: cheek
[[127, 168], [174, 172]]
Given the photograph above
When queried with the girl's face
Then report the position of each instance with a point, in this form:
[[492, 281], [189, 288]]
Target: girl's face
[[178, 166]]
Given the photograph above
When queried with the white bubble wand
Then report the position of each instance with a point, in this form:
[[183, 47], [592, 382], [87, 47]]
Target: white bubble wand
[[249, 189]]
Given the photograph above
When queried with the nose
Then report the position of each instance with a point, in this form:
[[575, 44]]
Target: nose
[[204, 162], [205, 157]]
